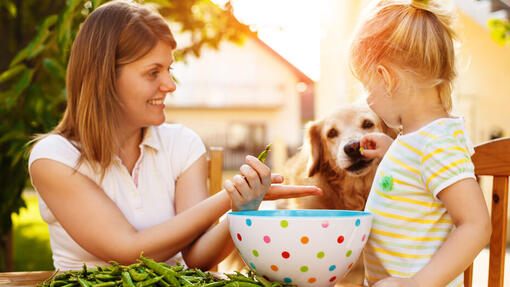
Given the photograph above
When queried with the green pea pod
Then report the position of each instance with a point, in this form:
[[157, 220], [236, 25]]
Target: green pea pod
[[106, 284], [126, 280], [262, 156], [167, 273], [83, 282], [149, 281], [242, 284], [138, 276], [57, 283], [263, 280]]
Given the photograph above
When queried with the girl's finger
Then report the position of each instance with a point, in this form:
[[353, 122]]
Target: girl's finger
[[369, 153], [278, 191]]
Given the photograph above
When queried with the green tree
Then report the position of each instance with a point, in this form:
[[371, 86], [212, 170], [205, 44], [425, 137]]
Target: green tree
[[38, 35]]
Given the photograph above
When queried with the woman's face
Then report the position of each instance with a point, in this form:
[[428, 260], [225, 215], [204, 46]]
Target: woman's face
[[143, 85]]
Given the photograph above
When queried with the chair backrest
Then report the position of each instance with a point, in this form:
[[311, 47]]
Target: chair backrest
[[492, 158], [215, 169]]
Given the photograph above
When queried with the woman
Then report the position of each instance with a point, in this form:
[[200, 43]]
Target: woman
[[113, 179]]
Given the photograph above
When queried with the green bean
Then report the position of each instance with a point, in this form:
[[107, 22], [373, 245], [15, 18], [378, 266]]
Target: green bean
[[106, 284], [126, 280], [263, 280], [215, 284], [83, 282], [138, 276], [262, 156], [241, 284], [167, 273], [56, 283], [149, 281]]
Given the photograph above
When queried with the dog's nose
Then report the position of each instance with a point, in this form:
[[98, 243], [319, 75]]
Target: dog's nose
[[352, 149]]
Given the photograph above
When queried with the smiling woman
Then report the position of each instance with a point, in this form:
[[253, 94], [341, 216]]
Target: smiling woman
[[113, 179]]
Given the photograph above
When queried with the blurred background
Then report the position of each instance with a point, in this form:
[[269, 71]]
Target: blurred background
[[248, 72]]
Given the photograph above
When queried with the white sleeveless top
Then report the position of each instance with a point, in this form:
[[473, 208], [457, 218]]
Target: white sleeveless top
[[146, 197]]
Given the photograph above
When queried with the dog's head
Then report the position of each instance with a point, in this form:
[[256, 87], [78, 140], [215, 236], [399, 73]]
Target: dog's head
[[334, 140]]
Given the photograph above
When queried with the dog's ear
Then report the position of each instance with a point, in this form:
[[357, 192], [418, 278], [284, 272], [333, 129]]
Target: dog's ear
[[313, 138], [392, 132]]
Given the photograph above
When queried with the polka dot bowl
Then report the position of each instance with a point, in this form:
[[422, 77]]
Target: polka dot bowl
[[302, 247]]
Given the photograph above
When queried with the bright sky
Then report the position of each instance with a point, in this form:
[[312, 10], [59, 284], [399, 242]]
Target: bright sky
[[290, 27]]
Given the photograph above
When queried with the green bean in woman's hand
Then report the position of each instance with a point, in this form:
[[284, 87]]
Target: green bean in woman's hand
[[262, 156]]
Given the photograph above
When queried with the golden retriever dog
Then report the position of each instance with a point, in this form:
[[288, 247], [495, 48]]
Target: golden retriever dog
[[330, 159]]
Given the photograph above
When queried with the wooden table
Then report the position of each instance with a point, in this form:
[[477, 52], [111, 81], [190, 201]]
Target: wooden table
[[32, 278]]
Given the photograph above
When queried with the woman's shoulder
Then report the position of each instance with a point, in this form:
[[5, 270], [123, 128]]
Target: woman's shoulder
[[56, 147]]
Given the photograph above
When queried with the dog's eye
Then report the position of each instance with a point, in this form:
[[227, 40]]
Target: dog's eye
[[367, 124], [332, 133]]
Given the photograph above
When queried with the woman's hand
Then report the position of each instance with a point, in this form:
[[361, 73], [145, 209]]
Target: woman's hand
[[256, 183], [246, 190], [375, 145], [396, 282]]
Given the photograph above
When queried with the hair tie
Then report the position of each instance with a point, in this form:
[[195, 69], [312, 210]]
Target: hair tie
[[419, 3]]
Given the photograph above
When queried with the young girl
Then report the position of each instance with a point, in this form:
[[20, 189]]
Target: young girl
[[430, 217], [115, 180]]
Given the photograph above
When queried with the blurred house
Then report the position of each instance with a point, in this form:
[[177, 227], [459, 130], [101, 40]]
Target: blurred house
[[241, 97]]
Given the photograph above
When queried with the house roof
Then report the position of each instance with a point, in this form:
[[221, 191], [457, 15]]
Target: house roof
[[301, 76]]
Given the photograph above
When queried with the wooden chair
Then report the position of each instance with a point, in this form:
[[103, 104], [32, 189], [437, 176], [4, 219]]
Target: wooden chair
[[215, 169], [492, 158]]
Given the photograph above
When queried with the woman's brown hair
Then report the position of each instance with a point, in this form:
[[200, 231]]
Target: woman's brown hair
[[115, 34]]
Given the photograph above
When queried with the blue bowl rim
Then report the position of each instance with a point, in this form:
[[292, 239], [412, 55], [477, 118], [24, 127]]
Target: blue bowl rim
[[294, 213]]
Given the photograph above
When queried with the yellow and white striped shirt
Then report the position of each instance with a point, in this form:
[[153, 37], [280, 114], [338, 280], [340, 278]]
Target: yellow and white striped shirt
[[410, 222]]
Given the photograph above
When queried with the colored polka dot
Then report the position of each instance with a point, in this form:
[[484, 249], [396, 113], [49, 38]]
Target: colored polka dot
[[332, 267], [285, 254], [239, 237], [363, 238], [311, 280], [348, 253], [253, 266], [284, 223], [332, 279], [350, 265], [267, 239], [305, 239], [340, 239], [320, 254], [255, 253], [325, 224], [303, 268], [358, 222], [248, 222], [274, 267], [287, 280]]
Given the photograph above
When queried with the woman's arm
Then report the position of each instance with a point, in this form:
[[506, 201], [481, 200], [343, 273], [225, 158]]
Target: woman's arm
[[94, 221], [466, 205]]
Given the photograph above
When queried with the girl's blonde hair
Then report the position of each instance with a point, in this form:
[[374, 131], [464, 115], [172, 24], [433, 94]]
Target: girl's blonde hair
[[412, 39], [115, 34]]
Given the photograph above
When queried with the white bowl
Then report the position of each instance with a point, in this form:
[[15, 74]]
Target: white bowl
[[302, 247]]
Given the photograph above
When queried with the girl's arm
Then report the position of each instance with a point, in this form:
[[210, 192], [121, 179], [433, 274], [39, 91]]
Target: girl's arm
[[466, 205]]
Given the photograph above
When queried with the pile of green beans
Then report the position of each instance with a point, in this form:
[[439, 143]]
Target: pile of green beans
[[147, 272]]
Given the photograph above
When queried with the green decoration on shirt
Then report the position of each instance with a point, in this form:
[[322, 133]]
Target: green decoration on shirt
[[387, 182]]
